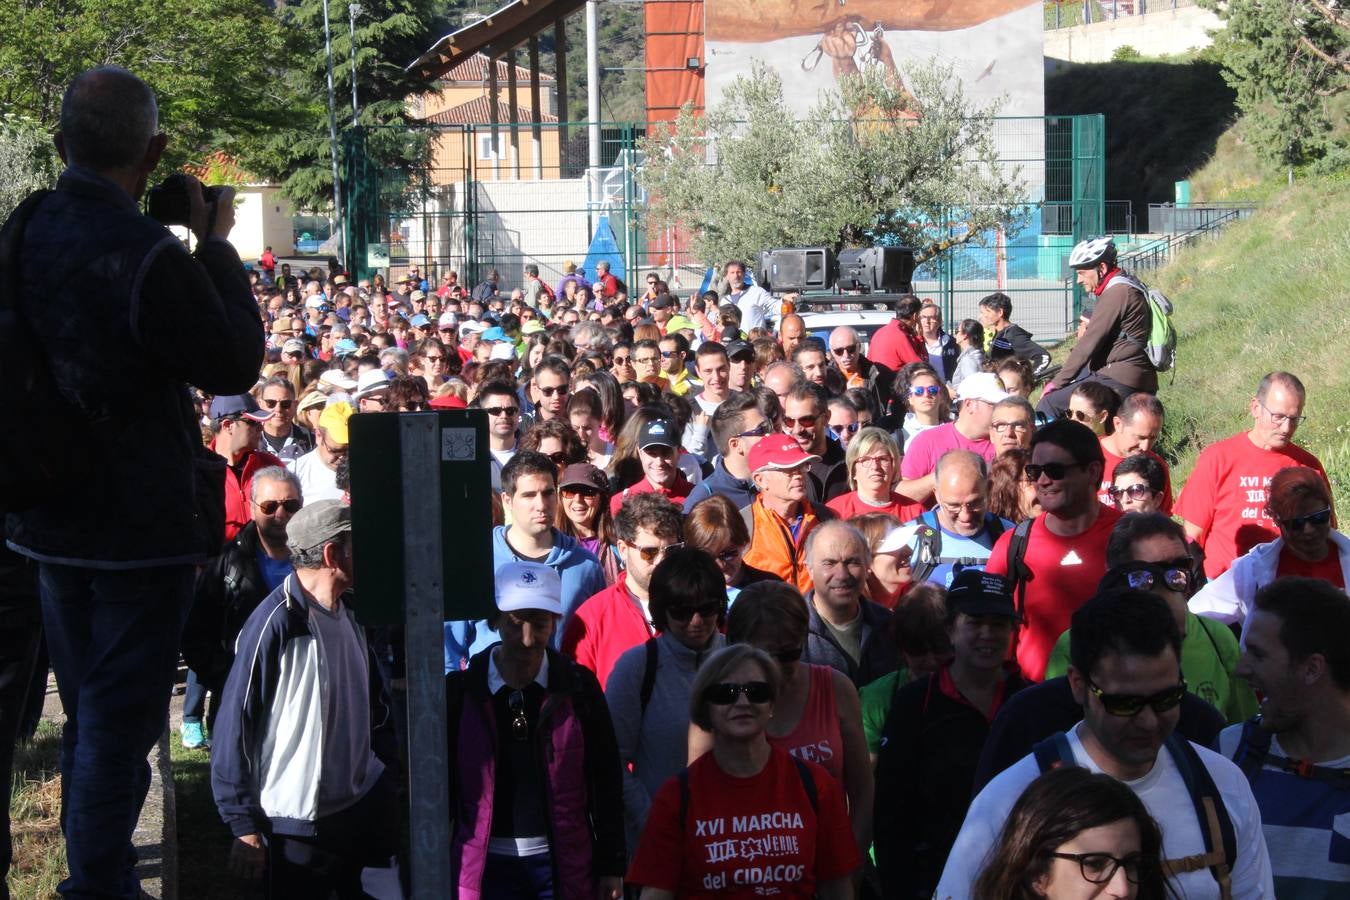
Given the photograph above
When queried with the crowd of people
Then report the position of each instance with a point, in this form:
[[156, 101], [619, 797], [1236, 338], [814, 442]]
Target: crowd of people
[[776, 613]]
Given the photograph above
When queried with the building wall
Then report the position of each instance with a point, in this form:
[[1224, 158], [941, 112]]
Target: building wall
[[1159, 33], [454, 152], [262, 218]]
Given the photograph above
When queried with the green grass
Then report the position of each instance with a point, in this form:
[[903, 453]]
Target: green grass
[[203, 840], [34, 810]]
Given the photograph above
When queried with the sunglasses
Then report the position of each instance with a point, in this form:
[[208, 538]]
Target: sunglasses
[[277, 404], [269, 507], [760, 430], [667, 354], [1175, 576], [1079, 416], [620, 360], [501, 410], [1126, 705], [850, 350], [650, 553], [840, 430], [725, 694], [931, 390], [1134, 492], [705, 612], [1317, 519], [560, 391], [558, 458], [1055, 471], [571, 493], [804, 421], [731, 555]]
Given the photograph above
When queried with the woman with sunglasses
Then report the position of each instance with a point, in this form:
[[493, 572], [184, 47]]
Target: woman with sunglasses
[[920, 402], [817, 716], [1012, 495], [1076, 834], [538, 792], [1299, 502], [873, 465], [1138, 484], [556, 440], [746, 813], [717, 527], [583, 512], [1095, 405], [649, 687]]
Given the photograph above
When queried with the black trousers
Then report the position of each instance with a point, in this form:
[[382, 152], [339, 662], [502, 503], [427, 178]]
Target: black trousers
[[19, 642], [1055, 405]]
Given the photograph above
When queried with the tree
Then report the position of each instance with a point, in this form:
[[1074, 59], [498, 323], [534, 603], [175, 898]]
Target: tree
[[28, 161], [1285, 59], [871, 163], [211, 63]]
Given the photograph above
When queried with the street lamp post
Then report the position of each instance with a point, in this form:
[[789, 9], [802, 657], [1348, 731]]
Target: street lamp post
[[333, 138], [354, 10]]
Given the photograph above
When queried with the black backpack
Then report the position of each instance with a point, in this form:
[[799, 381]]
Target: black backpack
[[50, 454], [929, 556]]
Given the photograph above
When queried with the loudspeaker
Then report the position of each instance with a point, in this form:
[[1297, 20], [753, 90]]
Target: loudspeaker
[[886, 269], [797, 269]]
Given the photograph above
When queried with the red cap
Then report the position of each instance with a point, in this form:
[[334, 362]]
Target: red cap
[[778, 451], [448, 401]]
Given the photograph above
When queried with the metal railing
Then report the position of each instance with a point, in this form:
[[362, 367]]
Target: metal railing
[[1168, 218], [1158, 253], [1068, 13]]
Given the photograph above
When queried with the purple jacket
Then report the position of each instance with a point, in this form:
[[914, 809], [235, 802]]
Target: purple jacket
[[576, 746]]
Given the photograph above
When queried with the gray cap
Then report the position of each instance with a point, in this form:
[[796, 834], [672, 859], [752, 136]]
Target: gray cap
[[316, 524]]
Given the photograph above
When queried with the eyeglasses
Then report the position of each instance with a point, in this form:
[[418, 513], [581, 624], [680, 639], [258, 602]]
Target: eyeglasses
[[1079, 416], [1317, 519], [803, 421], [1002, 427], [1281, 418], [571, 493], [413, 406], [501, 410], [269, 507], [1126, 705], [972, 506], [1055, 471], [1175, 575], [881, 460], [850, 350], [520, 725], [277, 404], [931, 390], [763, 428], [839, 430], [725, 694], [656, 552], [1100, 868], [560, 391], [644, 361], [1134, 492], [705, 612]]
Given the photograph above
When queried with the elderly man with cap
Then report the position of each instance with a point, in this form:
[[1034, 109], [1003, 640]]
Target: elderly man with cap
[[317, 469], [935, 730], [658, 455], [532, 749], [977, 395], [303, 768], [238, 421], [781, 517]]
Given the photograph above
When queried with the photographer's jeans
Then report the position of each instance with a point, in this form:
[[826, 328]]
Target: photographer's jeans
[[113, 638]]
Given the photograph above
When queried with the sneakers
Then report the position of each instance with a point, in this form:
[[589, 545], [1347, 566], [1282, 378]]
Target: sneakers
[[194, 736]]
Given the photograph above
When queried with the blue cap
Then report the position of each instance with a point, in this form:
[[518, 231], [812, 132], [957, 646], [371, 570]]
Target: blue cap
[[346, 345], [493, 334], [237, 405], [419, 321]]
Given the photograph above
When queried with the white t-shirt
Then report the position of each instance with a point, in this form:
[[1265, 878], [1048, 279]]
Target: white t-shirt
[[756, 305], [317, 481], [1164, 795]]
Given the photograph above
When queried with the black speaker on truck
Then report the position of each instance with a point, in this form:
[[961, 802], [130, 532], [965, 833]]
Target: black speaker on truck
[[885, 269], [797, 269]]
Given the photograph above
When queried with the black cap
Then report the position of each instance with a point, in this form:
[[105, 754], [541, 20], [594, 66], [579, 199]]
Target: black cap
[[736, 348], [979, 593], [662, 301]]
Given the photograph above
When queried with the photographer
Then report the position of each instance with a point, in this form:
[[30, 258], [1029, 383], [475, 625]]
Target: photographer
[[113, 300]]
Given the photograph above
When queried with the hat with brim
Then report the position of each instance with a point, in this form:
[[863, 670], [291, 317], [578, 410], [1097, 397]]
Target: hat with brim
[[528, 586], [448, 401], [899, 538], [657, 433], [316, 524], [311, 400], [534, 326], [976, 592], [294, 346], [778, 452], [584, 475], [680, 323], [334, 419], [370, 382], [241, 405], [338, 380], [739, 348], [505, 351], [281, 326], [982, 386]]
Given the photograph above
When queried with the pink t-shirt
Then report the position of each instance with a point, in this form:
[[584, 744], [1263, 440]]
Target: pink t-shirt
[[927, 447]]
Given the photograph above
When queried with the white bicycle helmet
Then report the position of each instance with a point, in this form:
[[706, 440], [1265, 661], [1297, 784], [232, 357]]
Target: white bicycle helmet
[[1087, 254]]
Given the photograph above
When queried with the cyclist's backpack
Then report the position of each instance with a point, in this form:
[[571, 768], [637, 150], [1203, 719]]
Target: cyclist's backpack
[[1161, 346]]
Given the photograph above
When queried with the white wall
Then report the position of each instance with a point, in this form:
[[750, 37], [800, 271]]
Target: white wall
[[262, 218], [1160, 33]]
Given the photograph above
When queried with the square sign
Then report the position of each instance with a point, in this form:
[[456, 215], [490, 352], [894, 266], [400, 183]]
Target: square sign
[[414, 500], [377, 256]]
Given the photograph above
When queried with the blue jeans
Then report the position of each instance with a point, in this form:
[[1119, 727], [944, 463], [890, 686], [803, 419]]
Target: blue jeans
[[518, 877], [113, 638], [194, 701]]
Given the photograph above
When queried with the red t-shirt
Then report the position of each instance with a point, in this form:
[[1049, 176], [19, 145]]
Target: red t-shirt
[[1328, 568], [746, 837], [893, 346], [1225, 497], [846, 506], [1064, 575], [1109, 473]]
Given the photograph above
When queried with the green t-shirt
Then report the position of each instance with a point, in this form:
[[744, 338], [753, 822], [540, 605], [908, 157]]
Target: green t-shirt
[[1209, 654], [876, 705]]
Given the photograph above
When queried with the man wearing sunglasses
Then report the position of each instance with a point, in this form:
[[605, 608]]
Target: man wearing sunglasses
[[551, 384], [619, 617], [281, 435], [806, 419], [498, 399], [249, 568], [1147, 552], [1125, 675], [1223, 503], [1065, 548], [238, 421]]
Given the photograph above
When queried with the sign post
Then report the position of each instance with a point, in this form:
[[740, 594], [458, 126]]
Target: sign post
[[422, 540]]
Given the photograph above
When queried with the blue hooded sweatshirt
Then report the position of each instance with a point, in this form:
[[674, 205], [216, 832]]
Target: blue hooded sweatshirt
[[581, 576]]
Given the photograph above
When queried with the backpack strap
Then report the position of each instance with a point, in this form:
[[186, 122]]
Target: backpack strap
[[1215, 824], [1017, 569], [648, 676], [1252, 749], [808, 783], [1054, 752], [928, 556], [994, 525]]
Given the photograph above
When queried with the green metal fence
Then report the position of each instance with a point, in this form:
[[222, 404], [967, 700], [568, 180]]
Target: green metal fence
[[500, 197]]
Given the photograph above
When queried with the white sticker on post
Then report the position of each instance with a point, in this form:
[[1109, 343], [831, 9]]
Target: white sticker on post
[[458, 444]]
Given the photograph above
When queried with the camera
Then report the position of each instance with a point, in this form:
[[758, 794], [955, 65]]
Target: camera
[[167, 202]]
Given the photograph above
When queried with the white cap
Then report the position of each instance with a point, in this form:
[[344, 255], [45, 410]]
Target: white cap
[[527, 585], [338, 380], [370, 381], [316, 302], [473, 327], [981, 386], [505, 350], [899, 538], [448, 319]]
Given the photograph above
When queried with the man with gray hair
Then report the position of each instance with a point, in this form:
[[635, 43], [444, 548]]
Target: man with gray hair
[[303, 767], [847, 631], [959, 531], [114, 598]]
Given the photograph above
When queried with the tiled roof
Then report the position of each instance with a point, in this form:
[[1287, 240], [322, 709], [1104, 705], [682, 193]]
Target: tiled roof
[[477, 111], [475, 70], [220, 167]]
